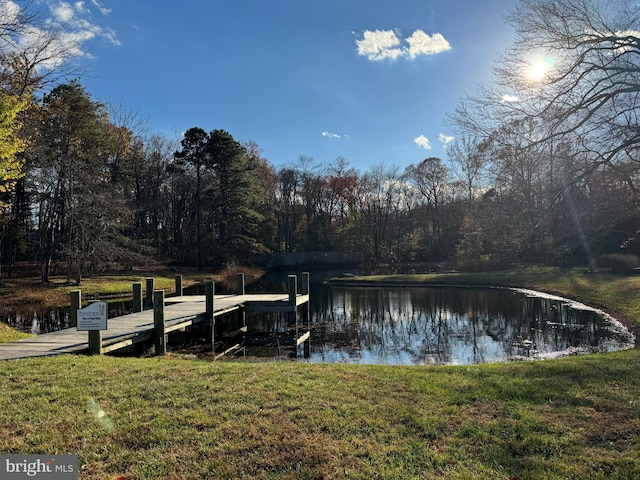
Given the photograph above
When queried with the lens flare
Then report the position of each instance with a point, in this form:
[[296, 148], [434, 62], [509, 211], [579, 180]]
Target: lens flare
[[100, 415]]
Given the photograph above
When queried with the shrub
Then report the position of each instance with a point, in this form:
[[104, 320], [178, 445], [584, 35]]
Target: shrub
[[483, 263], [618, 262]]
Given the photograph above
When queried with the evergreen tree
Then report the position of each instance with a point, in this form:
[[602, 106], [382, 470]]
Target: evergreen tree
[[239, 194], [81, 214]]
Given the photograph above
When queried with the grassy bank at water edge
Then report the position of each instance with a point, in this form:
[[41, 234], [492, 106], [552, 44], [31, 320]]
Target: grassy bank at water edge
[[8, 334]]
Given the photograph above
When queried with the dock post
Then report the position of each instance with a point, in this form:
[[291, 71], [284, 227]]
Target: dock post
[[292, 289], [150, 285], [158, 323], [241, 320], [76, 303], [306, 290], [306, 315], [209, 291], [95, 342], [137, 297], [304, 287], [179, 290], [240, 284]]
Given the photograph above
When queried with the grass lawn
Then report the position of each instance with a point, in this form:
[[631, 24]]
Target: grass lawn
[[174, 418], [184, 419], [8, 334]]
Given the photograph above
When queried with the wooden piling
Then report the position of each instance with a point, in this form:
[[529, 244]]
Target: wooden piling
[[95, 342], [150, 291], [159, 331], [306, 290], [209, 291], [240, 284], [241, 319], [179, 290], [304, 287], [292, 290], [137, 297], [76, 304]]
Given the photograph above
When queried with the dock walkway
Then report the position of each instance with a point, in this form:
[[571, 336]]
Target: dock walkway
[[179, 313]]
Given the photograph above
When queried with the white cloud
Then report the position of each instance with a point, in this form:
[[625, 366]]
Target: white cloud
[[445, 139], [63, 36], [379, 45], [63, 12], [422, 142], [331, 135], [60, 49], [111, 35], [508, 98], [382, 44], [422, 44], [79, 7], [10, 11], [103, 10], [624, 41]]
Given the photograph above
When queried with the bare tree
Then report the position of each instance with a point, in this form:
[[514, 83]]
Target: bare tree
[[575, 66], [311, 179], [37, 51], [469, 161], [379, 199]]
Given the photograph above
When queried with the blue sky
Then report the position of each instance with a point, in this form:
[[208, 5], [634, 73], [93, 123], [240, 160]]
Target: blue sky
[[367, 80]]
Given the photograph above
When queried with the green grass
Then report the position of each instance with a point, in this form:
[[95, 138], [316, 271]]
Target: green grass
[[174, 418], [184, 419], [8, 334]]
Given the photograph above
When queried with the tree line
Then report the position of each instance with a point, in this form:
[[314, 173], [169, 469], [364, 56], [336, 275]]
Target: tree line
[[542, 170]]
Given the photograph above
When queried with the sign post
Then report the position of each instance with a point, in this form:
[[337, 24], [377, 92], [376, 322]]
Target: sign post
[[93, 319]]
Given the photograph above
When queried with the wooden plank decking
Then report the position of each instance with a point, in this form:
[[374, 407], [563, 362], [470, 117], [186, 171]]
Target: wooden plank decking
[[126, 330]]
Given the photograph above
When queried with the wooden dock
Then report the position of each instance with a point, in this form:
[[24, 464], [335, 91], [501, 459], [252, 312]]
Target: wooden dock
[[168, 315]]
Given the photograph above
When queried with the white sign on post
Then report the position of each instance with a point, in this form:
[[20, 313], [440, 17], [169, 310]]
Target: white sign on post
[[93, 317]]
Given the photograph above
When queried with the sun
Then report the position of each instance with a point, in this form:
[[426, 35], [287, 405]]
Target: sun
[[538, 70]]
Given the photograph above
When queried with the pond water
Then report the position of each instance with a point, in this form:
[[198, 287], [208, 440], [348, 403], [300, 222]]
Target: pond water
[[453, 326], [419, 326]]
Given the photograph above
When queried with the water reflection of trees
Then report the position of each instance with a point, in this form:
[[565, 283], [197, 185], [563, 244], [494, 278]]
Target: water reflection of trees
[[444, 325], [45, 320]]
